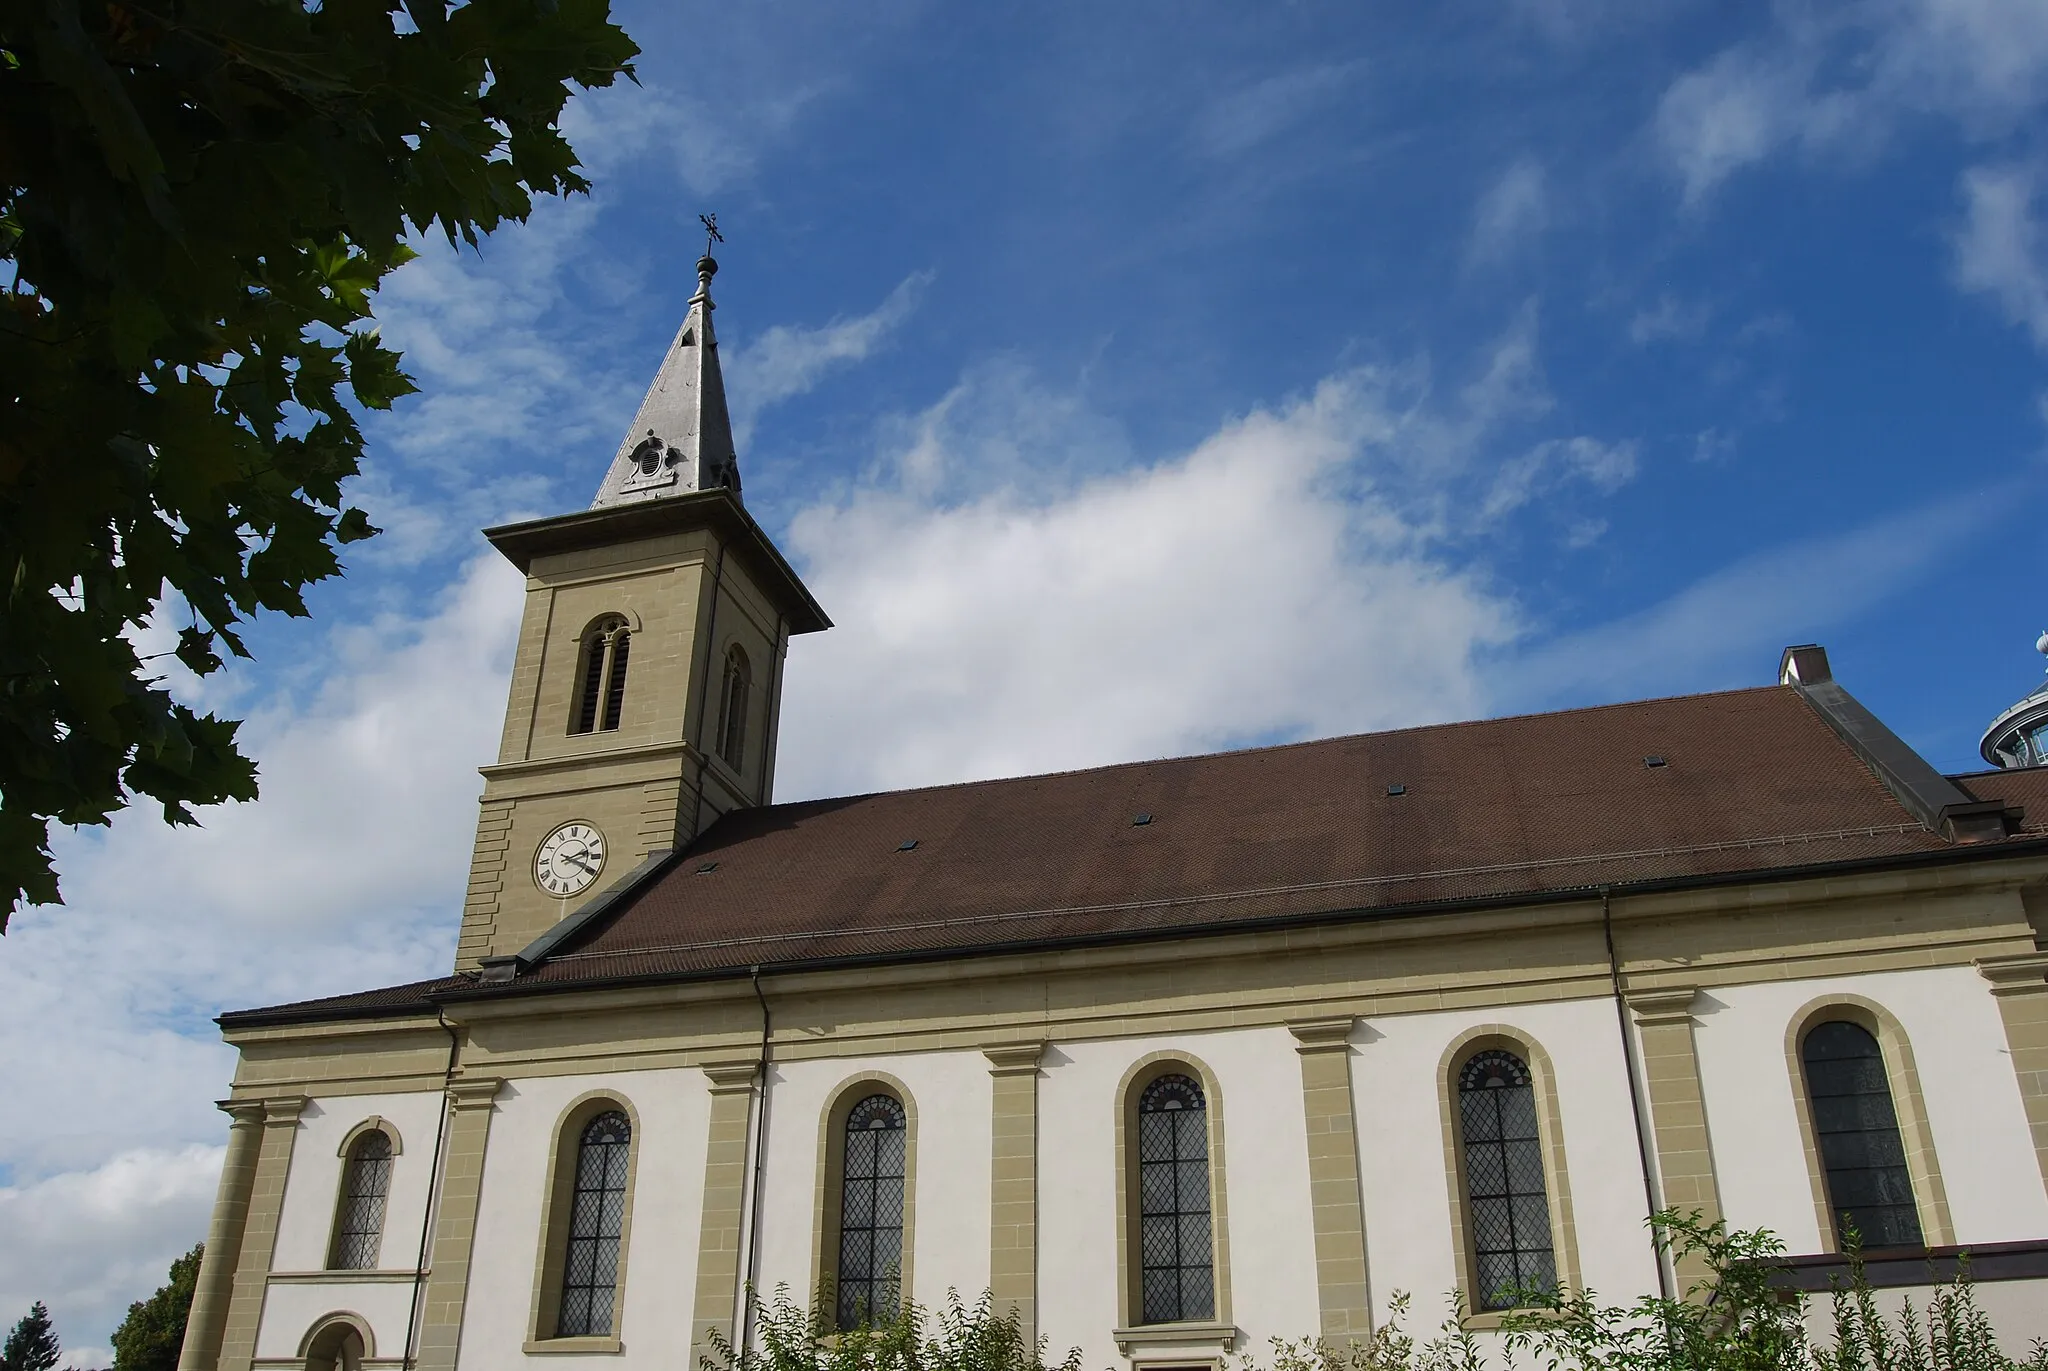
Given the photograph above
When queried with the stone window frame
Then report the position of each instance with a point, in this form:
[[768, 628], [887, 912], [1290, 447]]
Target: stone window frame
[[601, 635], [735, 701], [341, 1322], [564, 1150], [1902, 1075], [373, 1124], [1220, 1328], [829, 1192], [1564, 1244]]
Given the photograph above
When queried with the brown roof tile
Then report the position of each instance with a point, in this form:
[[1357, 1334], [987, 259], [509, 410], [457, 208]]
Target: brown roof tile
[[1499, 809]]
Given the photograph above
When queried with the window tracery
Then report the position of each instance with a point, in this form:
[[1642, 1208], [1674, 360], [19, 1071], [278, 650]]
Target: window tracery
[[872, 1178], [359, 1216], [597, 1219], [1177, 1279], [1506, 1198]]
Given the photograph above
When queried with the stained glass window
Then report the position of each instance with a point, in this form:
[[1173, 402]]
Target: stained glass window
[[597, 1219], [359, 1222], [871, 1210], [1176, 1254], [1858, 1132], [1506, 1202]]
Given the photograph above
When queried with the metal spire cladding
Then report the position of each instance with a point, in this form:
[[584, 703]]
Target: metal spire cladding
[[681, 439]]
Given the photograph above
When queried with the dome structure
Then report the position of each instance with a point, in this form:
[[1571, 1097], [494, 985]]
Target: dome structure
[[2019, 736]]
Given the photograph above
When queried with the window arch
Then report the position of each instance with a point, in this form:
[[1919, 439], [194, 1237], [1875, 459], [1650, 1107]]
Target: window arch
[[586, 1231], [1173, 1237], [733, 694], [1869, 1149], [868, 1198], [1507, 1199], [338, 1342], [359, 1211], [601, 676]]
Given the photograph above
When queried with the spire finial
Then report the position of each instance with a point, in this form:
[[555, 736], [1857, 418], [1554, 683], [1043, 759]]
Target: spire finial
[[707, 265], [2041, 643]]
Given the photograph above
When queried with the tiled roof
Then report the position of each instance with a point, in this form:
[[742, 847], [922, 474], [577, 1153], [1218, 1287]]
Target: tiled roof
[[1750, 781]]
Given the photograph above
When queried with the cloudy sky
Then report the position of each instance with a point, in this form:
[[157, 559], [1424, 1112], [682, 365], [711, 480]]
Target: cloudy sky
[[1130, 380]]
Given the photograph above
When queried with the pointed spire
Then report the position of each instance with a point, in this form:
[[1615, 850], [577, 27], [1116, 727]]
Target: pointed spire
[[681, 440]]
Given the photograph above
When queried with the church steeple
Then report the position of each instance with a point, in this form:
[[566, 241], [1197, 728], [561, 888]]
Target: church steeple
[[681, 439]]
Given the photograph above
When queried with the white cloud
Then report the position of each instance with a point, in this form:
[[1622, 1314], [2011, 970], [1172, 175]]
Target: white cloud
[[1999, 248], [1512, 211], [346, 874], [1258, 586], [1717, 630], [1669, 320], [787, 360], [89, 1243], [1835, 81], [1243, 119], [1607, 467]]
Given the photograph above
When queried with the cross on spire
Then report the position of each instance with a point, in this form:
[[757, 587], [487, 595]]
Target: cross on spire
[[711, 233]]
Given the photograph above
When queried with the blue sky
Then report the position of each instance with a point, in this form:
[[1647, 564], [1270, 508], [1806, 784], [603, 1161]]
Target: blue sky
[[1128, 381]]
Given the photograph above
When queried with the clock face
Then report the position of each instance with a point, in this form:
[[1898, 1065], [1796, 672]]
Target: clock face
[[569, 860]]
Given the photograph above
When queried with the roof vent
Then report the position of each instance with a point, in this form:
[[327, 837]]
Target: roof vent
[[907, 845], [707, 868], [1653, 760], [1397, 790], [1142, 819]]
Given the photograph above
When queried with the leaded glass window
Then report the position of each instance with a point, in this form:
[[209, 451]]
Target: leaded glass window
[[1176, 1255], [1858, 1133], [871, 1210], [359, 1220], [597, 1219], [1507, 1204]]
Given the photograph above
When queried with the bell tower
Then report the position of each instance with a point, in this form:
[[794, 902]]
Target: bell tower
[[647, 688]]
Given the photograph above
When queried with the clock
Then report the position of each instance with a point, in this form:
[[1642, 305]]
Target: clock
[[569, 860]]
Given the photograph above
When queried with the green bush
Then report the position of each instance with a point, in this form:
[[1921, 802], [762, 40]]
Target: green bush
[[958, 1337], [1733, 1319]]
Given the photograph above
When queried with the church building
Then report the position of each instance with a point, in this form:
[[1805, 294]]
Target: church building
[[1170, 1057]]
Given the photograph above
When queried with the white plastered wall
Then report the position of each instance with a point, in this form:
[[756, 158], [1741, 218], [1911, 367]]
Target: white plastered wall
[[305, 1226], [1981, 1139], [953, 1095], [672, 1109], [1401, 1146], [1265, 1152]]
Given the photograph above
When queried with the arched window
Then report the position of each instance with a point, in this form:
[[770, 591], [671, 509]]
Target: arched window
[[601, 676], [359, 1216], [597, 1219], [1176, 1248], [1857, 1131], [1507, 1207], [871, 1210], [732, 728]]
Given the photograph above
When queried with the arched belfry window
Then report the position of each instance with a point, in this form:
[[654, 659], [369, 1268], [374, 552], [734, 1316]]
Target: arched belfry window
[[601, 676], [359, 1215], [871, 1210], [1507, 1203], [1857, 1130], [597, 1220], [732, 727], [1176, 1244]]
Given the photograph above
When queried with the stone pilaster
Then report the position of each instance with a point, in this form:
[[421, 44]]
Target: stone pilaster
[[1342, 1289], [216, 1286], [462, 1175], [1678, 1111], [725, 1196], [1013, 1187], [280, 1129], [2020, 984]]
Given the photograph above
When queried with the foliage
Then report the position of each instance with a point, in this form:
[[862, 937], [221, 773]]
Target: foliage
[[957, 1337], [150, 1338], [1733, 1319], [32, 1346], [198, 199]]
